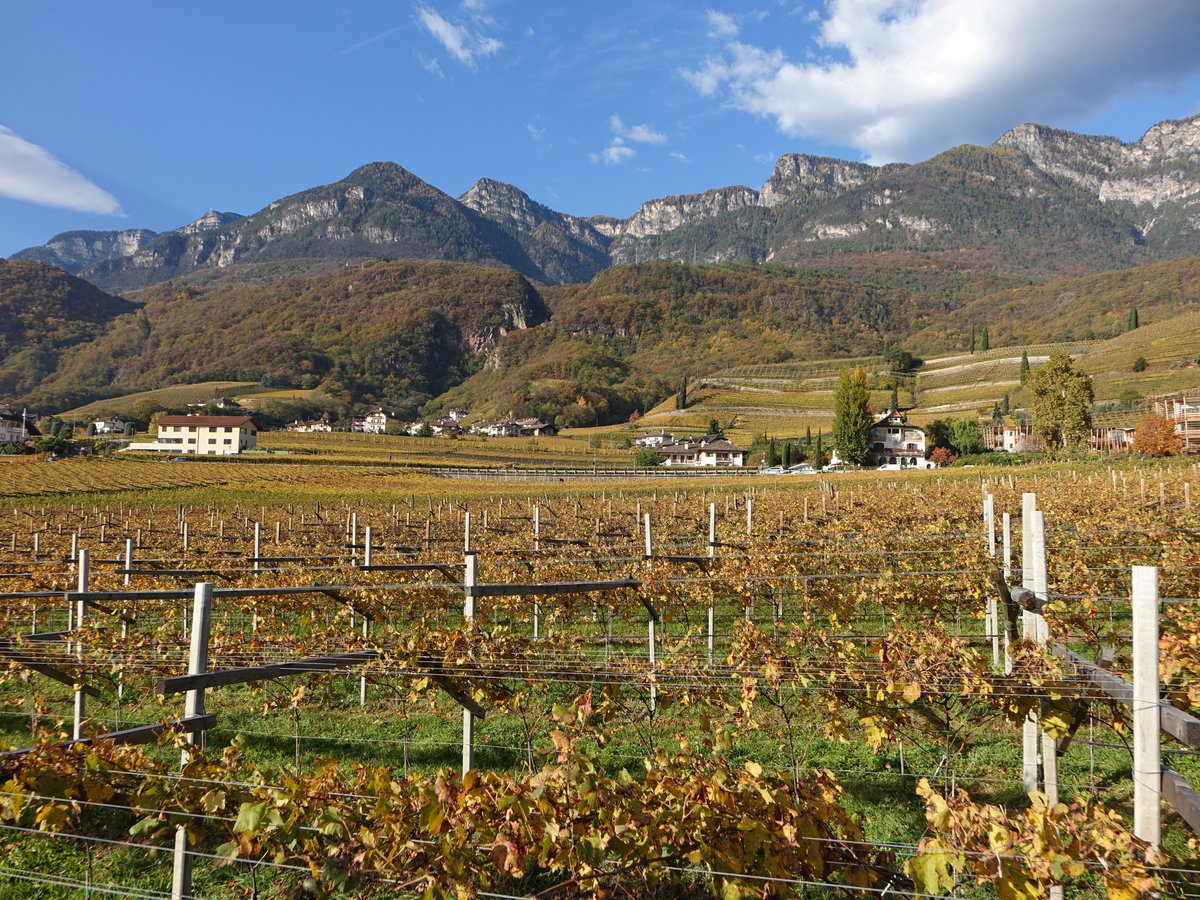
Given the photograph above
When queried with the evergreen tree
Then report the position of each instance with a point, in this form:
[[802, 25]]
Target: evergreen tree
[[1024, 365], [1004, 405], [972, 347], [852, 419], [818, 453], [808, 435], [681, 396], [894, 402], [985, 343], [1133, 318], [997, 414]]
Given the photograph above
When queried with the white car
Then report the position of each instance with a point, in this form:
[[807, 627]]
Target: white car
[[772, 470], [801, 469]]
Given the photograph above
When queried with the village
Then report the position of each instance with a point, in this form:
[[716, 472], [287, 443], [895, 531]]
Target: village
[[226, 427]]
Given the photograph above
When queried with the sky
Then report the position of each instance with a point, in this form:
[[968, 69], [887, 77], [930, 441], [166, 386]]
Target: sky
[[147, 114]]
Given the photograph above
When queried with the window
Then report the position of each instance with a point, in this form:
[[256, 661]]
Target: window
[[228, 429], [212, 440], [227, 441]]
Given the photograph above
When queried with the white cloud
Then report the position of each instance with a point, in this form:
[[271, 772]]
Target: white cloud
[[642, 134], [721, 25], [614, 154], [465, 44], [903, 79], [30, 173], [536, 133], [679, 157]]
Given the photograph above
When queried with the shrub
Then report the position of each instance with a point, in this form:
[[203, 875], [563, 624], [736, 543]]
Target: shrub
[[646, 457], [1139, 364]]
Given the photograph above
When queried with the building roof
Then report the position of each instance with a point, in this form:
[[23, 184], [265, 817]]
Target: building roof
[[208, 420]]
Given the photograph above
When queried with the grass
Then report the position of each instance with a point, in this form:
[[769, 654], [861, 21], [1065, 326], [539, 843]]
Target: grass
[[170, 397]]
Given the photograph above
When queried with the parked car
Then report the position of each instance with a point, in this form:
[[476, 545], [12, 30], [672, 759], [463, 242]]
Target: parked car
[[801, 469], [772, 470]]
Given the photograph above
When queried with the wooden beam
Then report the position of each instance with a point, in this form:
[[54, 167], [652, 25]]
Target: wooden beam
[[143, 734], [1183, 727], [1182, 797], [1079, 709], [179, 683], [9, 651], [565, 587]]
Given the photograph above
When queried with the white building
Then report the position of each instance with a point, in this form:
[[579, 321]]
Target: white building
[[374, 422], [654, 439], [203, 435], [108, 425], [16, 428], [894, 441], [710, 450]]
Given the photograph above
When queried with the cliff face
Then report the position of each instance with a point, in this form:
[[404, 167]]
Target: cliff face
[[74, 251]]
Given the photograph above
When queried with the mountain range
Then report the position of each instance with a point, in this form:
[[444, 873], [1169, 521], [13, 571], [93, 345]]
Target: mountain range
[[1039, 202]]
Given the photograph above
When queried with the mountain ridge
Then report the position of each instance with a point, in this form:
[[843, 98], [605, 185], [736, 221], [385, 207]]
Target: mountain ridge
[[1127, 203]]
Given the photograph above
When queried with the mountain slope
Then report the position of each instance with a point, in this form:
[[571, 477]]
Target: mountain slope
[[44, 311], [382, 332]]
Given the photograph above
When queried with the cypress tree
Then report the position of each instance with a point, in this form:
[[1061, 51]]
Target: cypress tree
[[1024, 365], [808, 436], [895, 401], [972, 346], [1004, 405], [852, 418], [819, 453], [985, 343], [1133, 318]]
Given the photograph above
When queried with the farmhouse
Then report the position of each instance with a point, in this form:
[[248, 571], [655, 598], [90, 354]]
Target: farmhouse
[[654, 439], [893, 440], [310, 426], [203, 435], [710, 450], [16, 428], [374, 422], [108, 425]]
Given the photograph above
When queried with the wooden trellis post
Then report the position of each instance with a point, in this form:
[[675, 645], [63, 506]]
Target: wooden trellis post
[[1147, 724], [1029, 737], [470, 579], [84, 566], [181, 880]]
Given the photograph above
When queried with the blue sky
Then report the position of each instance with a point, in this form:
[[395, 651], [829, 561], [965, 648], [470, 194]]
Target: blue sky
[[147, 114]]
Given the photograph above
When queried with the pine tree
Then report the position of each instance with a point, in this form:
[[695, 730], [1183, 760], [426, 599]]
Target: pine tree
[[985, 343]]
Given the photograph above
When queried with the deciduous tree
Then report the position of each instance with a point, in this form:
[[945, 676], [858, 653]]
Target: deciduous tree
[[1155, 436], [1061, 403]]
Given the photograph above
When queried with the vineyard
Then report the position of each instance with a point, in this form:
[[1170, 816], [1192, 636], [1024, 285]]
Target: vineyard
[[851, 686]]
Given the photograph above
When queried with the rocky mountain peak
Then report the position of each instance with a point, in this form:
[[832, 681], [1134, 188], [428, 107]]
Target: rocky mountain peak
[[74, 251], [800, 176], [502, 202], [1173, 139], [210, 221]]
